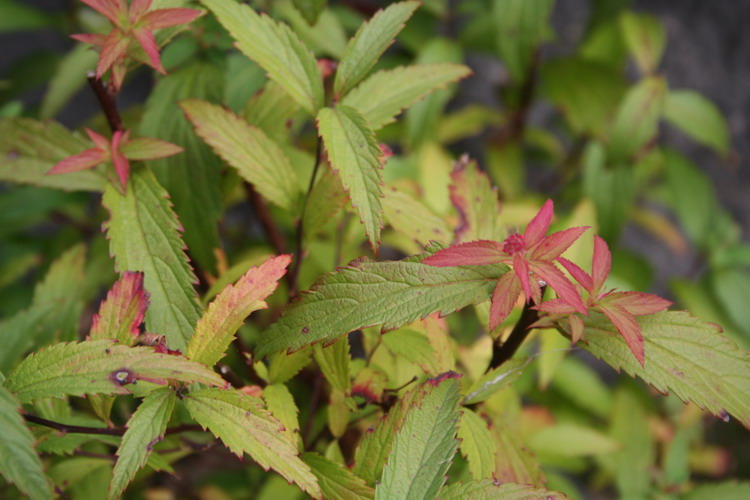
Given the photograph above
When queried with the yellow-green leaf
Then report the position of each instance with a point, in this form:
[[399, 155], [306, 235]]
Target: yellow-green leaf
[[477, 445], [336, 481], [637, 118], [411, 217], [645, 38], [491, 489], [697, 117]]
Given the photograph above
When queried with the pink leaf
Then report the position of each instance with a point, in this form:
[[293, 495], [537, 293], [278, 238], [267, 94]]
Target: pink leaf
[[115, 47], [521, 268], [121, 313], [122, 167], [91, 38], [576, 328], [98, 139], [560, 284], [504, 298], [555, 244], [539, 225], [601, 263], [145, 148], [137, 9], [146, 39], [164, 18], [578, 274], [111, 9], [467, 254], [628, 328], [556, 306], [87, 159], [636, 303]]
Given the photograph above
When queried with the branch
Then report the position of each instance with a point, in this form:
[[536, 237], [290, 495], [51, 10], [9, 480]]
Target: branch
[[264, 216], [106, 431], [107, 102], [503, 351]]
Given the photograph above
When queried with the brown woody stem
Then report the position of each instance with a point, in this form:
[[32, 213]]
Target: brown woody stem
[[107, 102], [503, 351], [79, 429]]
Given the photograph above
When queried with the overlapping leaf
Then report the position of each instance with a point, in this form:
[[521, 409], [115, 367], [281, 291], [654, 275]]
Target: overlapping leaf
[[475, 199], [490, 489], [241, 423], [336, 481], [100, 367], [367, 293], [334, 361], [275, 48], [412, 218], [121, 313], [144, 236], [477, 445], [280, 403], [225, 315]]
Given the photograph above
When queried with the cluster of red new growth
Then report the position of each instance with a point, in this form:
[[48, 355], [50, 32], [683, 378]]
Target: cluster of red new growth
[[132, 34], [534, 255]]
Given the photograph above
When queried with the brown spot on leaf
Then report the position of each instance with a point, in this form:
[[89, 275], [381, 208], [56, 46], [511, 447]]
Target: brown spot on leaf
[[122, 376], [305, 330]]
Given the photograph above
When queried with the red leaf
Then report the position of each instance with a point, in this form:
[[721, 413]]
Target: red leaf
[[111, 9], [467, 254], [521, 268], [636, 303], [98, 139], [91, 38], [164, 18], [555, 244], [560, 284], [539, 225], [504, 297], [145, 148], [556, 306], [138, 8], [87, 159], [628, 328], [122, 167], [115, 47], [578, 274], [121, 313], [601, 263], [146, 40]]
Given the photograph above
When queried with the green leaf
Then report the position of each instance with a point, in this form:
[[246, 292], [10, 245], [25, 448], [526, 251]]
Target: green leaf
[[367, 293], [216, 329], [475, 200], [730, 286], [369, 43], [728, 490], [121, 313], [280, 403], [424, 446], [412, 218], [69, 77], [16, 16], [245, 427], [571, 440], [413, 346], [193, 177], [144, 429], [645, 38], [270, 110], [19, 462], [684, 355], [520, 27], [100, 367], [310, 9], [697, 117], [490, 489], [326, 199], [336, 481], [284, 366], [68, 473], [333, 361], [144, 236], [325, 36], [514, 462], [258, 159], [637, 118], [477, 445], [496, 379], [355, 155], [388, 92], [30, 148], [276, 48], [581, 384]]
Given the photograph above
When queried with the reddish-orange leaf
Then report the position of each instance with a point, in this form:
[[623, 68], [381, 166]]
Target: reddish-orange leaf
[[164, 18], [552, 246], [539, 225], [504, 297], [87, 159], [560, 284], [628, 327], [115, 47], [467, 254], [600, 264], [636, 303], [121, 313]]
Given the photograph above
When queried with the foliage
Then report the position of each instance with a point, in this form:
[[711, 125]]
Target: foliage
[[338, 305]]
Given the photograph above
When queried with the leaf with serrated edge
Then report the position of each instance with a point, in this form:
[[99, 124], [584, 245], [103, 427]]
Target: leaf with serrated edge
[[19, 462], [121, 313], [476, 445], [414, 346], [245, 427], [388, 92], [496, 379], [367, 293], [144, 236], [424, 447], [412, 218], [369, 43], [333, 361], [144, 429], [475, 200], [356, 157], [275, 48], [684, 355], [216, 329], [100, 367], [490, 489], [336, 481], [258, 159], [280, 403]]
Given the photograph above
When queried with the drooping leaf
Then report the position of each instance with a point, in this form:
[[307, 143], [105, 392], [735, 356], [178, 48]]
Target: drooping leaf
[[520, 27], [258, 159], [121, 313], [496, 379], [144, 429], [356, 157], [489, 489], [697, 117], [333, 361], [410, 217], [637, 118], [477, 445], [369, 43], [245, 427], [280, 403], [381, 97], [367, 293], [19, 462], [336, 481], [424, 446], [216, 329], [645, 38], [192, 178], [30, 148], [684, 355], [475, 200], [144, 236], [276, 48], [100, 367]]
